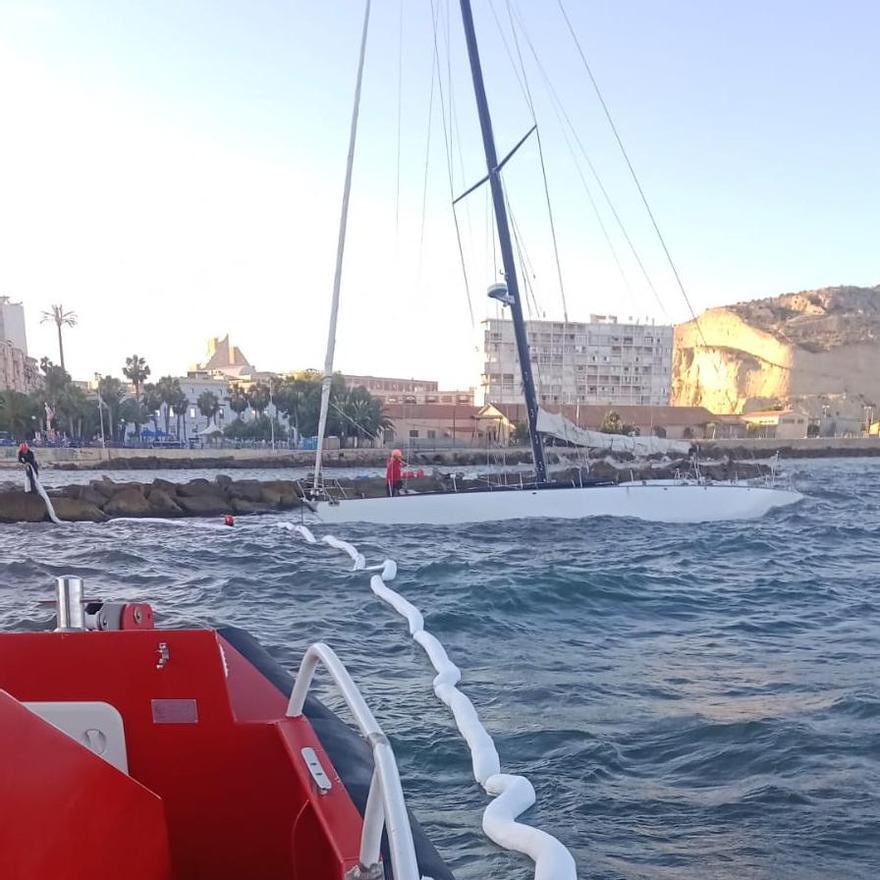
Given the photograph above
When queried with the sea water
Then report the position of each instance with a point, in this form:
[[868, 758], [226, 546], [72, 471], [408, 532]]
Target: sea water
[[688, 701]]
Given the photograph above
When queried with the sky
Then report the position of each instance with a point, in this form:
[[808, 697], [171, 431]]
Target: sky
[[173, 170]]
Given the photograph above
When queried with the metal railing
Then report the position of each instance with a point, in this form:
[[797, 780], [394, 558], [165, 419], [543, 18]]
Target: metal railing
[[386, 807]]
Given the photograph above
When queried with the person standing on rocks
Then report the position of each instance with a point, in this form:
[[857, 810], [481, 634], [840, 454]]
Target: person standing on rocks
[[32, 469], [393, 477]]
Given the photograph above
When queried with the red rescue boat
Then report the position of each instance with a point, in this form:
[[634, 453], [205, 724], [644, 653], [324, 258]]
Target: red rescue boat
[[152, 754]]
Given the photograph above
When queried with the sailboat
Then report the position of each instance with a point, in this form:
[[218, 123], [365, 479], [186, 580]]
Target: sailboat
[[684, 502]]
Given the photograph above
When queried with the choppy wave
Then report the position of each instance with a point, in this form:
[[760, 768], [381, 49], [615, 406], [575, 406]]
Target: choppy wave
[[689, 702]]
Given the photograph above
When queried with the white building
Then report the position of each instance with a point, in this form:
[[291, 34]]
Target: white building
[[600, 362], [12, 324], [18, 372]]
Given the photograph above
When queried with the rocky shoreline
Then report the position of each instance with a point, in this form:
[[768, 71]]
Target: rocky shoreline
[[105, 499]]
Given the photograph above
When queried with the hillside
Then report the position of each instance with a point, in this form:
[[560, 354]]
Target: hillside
[[817, 320], [817, 350]]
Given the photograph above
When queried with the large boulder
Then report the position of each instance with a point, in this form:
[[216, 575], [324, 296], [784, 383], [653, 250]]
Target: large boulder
[[223, 481], [270, 497], [246, 490], [18, 506], [77, 510], [203, 505], [165, 486], [91, 496], [104, 487], [285, 490], [162, 504], [129, 501], [196, 488]]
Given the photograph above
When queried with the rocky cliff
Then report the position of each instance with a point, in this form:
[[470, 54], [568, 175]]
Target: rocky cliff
[[794, 349]]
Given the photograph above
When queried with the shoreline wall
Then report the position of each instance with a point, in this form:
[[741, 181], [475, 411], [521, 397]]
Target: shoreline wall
[[183, 459]]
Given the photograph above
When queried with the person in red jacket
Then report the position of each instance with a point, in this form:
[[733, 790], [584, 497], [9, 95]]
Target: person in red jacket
[[393, 478]]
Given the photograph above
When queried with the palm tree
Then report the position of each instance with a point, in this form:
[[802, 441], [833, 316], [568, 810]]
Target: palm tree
[[137, 372], [208, 405], [179, 405], [112, 393], [152, 403], [169, 390], [361, 414], [258, 397], [60, 317], [238, 401]]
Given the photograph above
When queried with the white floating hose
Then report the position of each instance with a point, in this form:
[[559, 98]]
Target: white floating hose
[[45, 497], [512, 795]]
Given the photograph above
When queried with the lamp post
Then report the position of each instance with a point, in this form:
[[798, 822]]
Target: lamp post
[[272, 422], [100, 412]]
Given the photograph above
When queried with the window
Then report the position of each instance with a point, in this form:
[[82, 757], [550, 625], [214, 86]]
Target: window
[[414, 435], [432, 435]]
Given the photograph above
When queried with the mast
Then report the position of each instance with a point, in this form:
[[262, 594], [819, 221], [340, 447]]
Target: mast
[[519, 329], [340, 252]]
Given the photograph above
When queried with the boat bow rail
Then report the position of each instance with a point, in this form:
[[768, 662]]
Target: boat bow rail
[[386, 806]]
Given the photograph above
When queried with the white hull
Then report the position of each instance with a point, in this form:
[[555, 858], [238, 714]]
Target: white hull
[[657, 503]]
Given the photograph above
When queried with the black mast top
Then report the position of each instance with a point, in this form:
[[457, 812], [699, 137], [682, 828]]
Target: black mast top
[[522, 344]]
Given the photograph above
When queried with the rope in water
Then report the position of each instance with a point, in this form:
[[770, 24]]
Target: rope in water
[[512, 794]]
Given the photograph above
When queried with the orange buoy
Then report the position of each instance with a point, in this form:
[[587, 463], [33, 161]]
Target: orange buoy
[[228, 520]]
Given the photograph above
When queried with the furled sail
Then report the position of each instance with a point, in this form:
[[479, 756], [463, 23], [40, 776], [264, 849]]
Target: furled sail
[[560, 427]]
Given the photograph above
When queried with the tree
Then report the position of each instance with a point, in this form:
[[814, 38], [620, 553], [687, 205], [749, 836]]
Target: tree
[[208, 405], [612, 423], [290, 398], [152, 403], [55, 381], [137, 372], [111, 393], [60, 318], [520, 434], [18, 414], [259, 428], [133, 411], [179, 406], [258, 397], [168, 388], [237, 399], [360, 415]]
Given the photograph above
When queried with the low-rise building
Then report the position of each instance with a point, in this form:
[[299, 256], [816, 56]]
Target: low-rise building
[[785, 424], [433, 425], [410, 391]]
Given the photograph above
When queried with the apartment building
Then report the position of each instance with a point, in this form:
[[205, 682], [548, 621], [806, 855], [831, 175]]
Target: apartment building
[[602, 361]]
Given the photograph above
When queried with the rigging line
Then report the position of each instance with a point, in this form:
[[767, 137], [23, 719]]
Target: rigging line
[[399, 114], [595, 208], [454, 132], [558, 103], [449, 167], [629, 164], [531, 103], [427, 154], [527, 95], [526, 268]]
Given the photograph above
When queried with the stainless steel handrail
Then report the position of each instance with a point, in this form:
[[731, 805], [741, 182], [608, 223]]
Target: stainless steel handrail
[[386, 807]]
